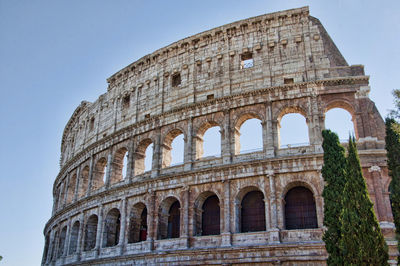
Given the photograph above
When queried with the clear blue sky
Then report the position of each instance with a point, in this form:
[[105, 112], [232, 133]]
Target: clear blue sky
[[54, 54]]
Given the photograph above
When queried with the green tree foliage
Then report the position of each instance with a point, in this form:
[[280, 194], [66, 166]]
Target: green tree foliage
[[396, 113], [361, 241], [334, 175], [393, 154]]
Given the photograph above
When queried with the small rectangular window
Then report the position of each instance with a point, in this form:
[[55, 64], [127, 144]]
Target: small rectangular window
[[147, 116], [126, 102], [91, 125], [288, 81], [210, 96], [246, 60], [176, 80]]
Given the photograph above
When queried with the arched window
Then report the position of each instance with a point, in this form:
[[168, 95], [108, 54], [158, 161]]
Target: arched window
[[173, 148], [169, 219], [61, 244], [138, 224], [144, 156], [46, 249], [55, 246], [148, 160], [293, 131], [99, 174], [84, 181], [212, 142], [174, 220], [112, 226], [119, 165], [253, 212], [210, 221], [340, 121], [73, 239], [300, 212], [71, 188], [90, 233], [251, 139], [208, 141]]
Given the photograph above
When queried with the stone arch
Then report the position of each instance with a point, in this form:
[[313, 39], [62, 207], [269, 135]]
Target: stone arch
[[117, 174], [292, 110], [344, 105], [138, 223], [112, 227], [300, 208], [169, 217], [99, 173], [54, 245], [46, 248], [140, 155], [250, 210], [84, 181], [241, 119], [167, 146], [71, 188], [61, 243], [199, 141], [207, 214], [73, 239], [90, 233]]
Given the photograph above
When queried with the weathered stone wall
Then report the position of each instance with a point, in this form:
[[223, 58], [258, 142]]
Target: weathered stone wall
[[186, 88]]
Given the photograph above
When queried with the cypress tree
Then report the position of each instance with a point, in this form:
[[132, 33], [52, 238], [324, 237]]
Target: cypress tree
[[334, 175], [393, 154], [361, 241]]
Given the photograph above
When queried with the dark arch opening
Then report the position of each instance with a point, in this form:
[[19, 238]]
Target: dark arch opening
[[112, 227], [300, 212], [90, 233], [210, 223], [174, 220], [73, 241], [138, 224], [253, 212]]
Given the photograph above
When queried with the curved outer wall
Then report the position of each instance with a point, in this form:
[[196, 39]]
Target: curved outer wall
[[187, 87]]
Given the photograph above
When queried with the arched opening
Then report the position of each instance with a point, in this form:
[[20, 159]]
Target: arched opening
[[248, 135], [173, 148], [208, 141], [253, 212], [112, 226], [340, 121], [119, 163], [61, 244], [169, 219], [73, 239], [84, 181], [71, 188], [293, 131], [144, 157], [46, 248], [210, 220], [300, 210], [138, 224], [99, 174], [55, 246], [90, 233]]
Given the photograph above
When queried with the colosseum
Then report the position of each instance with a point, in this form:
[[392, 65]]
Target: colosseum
[[258, 207]]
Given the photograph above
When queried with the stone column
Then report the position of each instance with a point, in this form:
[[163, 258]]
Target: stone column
[[185, 231], [226, 229], [99, 234], [155, 169], [131, 163], [188, 157], [51, 247], [77, 183], [91, 164], [152, 232], [273, 231], [122, 234], [379, 201], [80, 236], [268, 132], [108, 169], [226, 147], [66, 189]]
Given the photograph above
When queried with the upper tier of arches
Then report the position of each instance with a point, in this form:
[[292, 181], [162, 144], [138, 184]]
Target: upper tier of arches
[[208, 66]]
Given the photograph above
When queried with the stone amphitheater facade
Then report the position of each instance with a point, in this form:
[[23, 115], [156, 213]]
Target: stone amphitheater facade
[[260, 207]]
